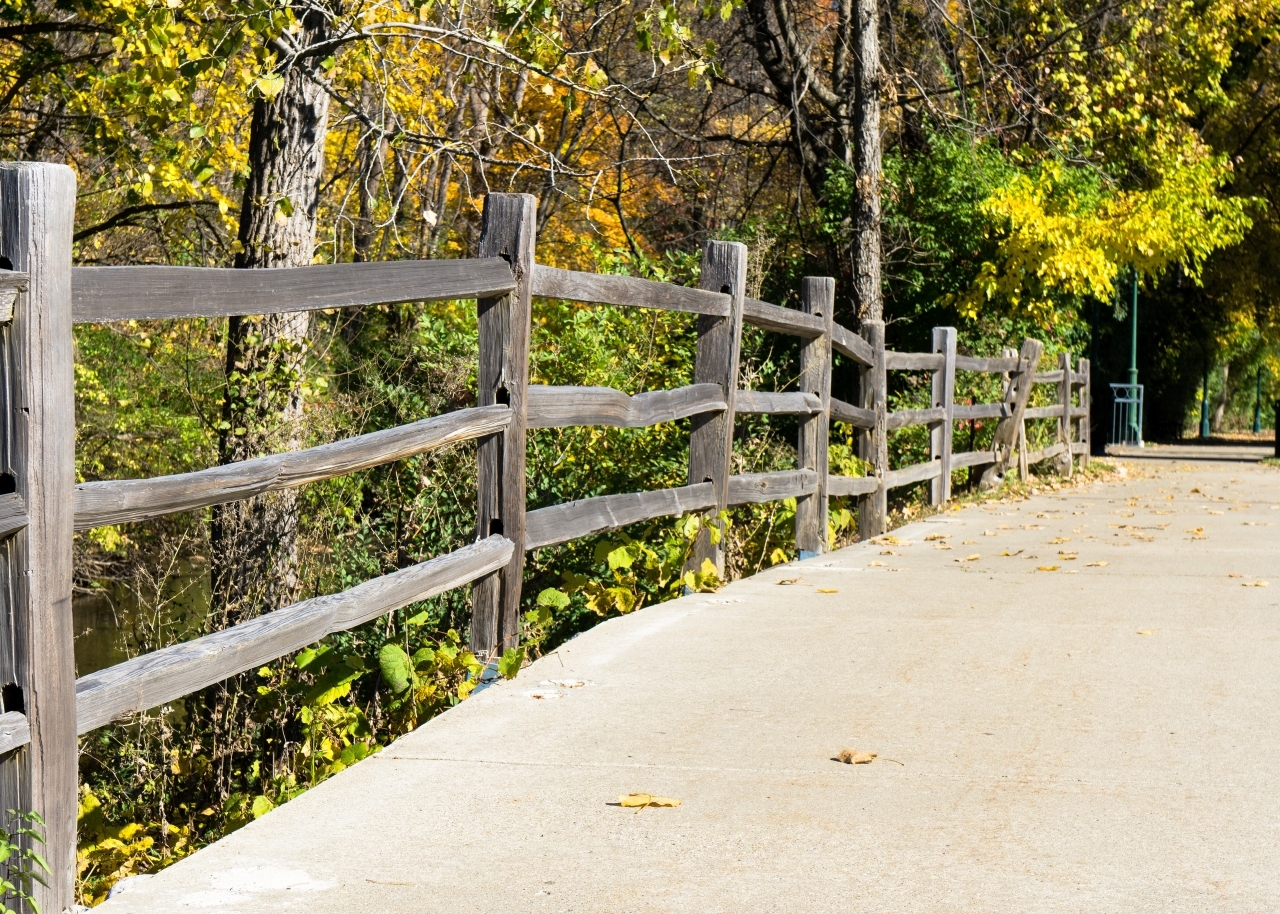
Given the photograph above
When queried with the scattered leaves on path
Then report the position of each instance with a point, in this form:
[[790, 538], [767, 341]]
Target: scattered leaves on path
[[854, 757], [641, 800]]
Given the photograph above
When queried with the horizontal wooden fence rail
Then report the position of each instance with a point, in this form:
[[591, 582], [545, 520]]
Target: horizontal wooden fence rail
[[561, 407], [131, 500], [504, 280], [604, 289], [104, 294], [168, 674]]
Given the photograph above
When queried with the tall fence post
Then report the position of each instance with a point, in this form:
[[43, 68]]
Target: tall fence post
[[944, 395], [1016, 396], [1064, 424], [873, 509], [817, 297], [724, 269], [509, 232], [1086, 422], [37, 660]]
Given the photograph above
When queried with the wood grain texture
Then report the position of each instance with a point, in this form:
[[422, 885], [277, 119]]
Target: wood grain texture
[[1042, 412], [37, 211], [509, 233], [13, 514], [11, 283], [1080, 447], [104, 294], [974, 363], [1053, 450], [854, 415], [981, 411], [912, 361], [575, 519], [839, 486], [1065, 430], [848, 343], [944, 395], [1049, 377], [168, 674], [130, 500], [562, 407], [972, 459], [873, 444], [1082, 376], [918, 472], [15, 732], [758, 488], [605, 289], [906, 417], [788, 403], [817, 299], [724, 270], [781, 320], [1017, 392]]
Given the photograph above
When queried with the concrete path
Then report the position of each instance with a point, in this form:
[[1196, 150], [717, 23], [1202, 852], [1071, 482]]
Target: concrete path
[[1104, 737]]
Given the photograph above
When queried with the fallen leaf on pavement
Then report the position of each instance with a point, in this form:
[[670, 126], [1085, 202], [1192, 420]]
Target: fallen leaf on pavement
[[854, 757], [1234, 575], [877, 564], [1059, 539], [789, 581], [937, 536], [1147, 631], [1047, 567], [1255, 584], [1096, 564], [641, 800], [969, 558], [1213, 512], [1011, 554], [827, 590]]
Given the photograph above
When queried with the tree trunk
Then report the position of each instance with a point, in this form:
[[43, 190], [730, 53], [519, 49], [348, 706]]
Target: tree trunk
[[1223, 397], [255, 542], [866, 162]]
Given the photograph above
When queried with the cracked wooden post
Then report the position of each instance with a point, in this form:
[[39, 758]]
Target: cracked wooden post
[[37, 657], [873, 509], [817, 297], [724, 269], [1016, 396], [1067, 461], [944, 395], [509, 232]]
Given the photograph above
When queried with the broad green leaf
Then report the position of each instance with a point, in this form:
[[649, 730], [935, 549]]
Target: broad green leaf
[[397, 670]]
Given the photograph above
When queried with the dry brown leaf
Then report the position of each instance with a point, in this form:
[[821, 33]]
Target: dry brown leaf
[[641, 800], [937, 536], [969, 558], [1059, 539], [1011, 554], [941, 546], [827, 590], [1047, 567], [1096, 564], [889, 552], [789, 581], [1234, 575], [1256, 584], [854, 757], [1068, 556]]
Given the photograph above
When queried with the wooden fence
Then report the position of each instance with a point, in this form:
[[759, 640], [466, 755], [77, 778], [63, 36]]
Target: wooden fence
[[45, 707]]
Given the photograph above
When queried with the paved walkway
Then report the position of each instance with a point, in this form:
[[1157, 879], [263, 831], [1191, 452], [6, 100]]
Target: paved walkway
[[1104, 737]]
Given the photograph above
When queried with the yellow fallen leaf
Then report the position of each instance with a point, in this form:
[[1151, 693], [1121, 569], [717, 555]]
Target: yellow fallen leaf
[[854, 757], [1011, 554], [827, 590], [941, 546], [969, 558], [1068, 556], [937, 536], [1047, 567], [641, 800], [968, 542], [877, 564], [1255, 584], [789, 581], [1196, 530], [1213, 512], [1147, 631], [1059, 539], [1096, 564]]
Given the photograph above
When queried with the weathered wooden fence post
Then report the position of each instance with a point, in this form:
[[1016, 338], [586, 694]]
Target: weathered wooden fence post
[[817, 297], [1086, 422], [944, 395], [37, 659], [724, 269], [509, 232], [1016, 396], [873, 509], [1066, 464]]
